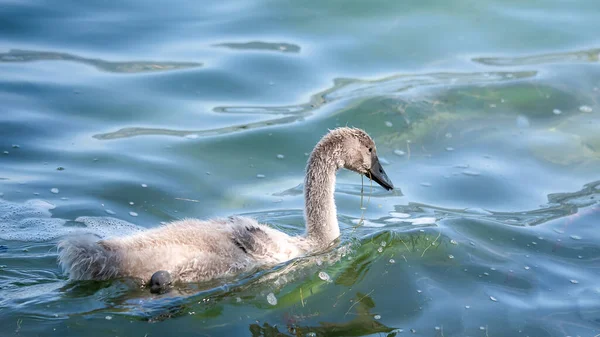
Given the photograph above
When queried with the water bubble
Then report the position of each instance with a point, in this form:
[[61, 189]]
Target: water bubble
[[383, 161], [419, 291], [392, 261], [556, 111], [399, 152], [389, 124], [144, 185], [467, 307], [449, 149], [377, 317], [426, 184], [574, 281], [54, 190], [15, 146], [450, 256], [260, 176], [575, 237], [131, 203], [60, 168], [383, 243], [585, 108], [493, 299], [527, 267], [453, 242], [448, 135], [481, 328], [486, 273], [324, 276], [5, 152], [492, 105], [108, 318], [191, 136], [272, 299], [380, 250], [311, 334], [280, 156], [133, 214], [111, 212]]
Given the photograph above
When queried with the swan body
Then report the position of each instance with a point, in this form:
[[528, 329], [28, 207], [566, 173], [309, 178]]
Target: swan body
[[192, 250]]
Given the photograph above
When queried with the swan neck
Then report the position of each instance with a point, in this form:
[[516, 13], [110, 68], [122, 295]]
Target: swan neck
[[319, 187]]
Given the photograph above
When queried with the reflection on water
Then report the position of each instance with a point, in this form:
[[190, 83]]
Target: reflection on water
[[362, 323]]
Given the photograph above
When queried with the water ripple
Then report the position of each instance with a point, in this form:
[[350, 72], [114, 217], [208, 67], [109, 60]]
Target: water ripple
[[559, 205], [342, 89], [262, 46], [585, 56], [18, 55]]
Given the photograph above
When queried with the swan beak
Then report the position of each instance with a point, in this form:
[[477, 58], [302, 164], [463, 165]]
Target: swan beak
[[377, 174]]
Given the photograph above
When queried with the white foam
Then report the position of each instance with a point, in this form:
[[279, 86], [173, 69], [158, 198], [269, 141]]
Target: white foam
[[32, 221], [29, 221], [106, 226]]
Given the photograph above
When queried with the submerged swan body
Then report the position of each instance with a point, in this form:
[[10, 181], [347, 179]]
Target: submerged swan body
[[199, 250]]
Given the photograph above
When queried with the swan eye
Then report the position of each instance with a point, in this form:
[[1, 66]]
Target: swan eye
[[370, 149]]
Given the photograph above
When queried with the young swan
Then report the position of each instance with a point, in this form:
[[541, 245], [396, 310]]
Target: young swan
[[195, 250]]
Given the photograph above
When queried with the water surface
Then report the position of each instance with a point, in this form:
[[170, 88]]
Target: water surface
[[115, 118]]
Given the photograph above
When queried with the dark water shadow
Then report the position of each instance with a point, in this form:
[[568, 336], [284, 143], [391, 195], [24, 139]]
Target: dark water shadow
[[18, 55]]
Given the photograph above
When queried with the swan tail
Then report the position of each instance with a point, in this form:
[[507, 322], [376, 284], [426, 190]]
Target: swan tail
[[84, 258]]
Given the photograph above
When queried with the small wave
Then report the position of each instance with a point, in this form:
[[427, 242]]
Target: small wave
[[281, 47], [17, 55], [559, 205], [585, 56], [342, 89]]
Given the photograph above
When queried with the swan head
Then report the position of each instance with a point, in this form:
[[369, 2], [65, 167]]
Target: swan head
[[359, 154]]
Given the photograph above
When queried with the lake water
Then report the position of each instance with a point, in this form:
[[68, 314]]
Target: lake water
[[116, 116]]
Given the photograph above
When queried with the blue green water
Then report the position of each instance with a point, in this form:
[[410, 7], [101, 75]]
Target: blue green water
[[122, 115]]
